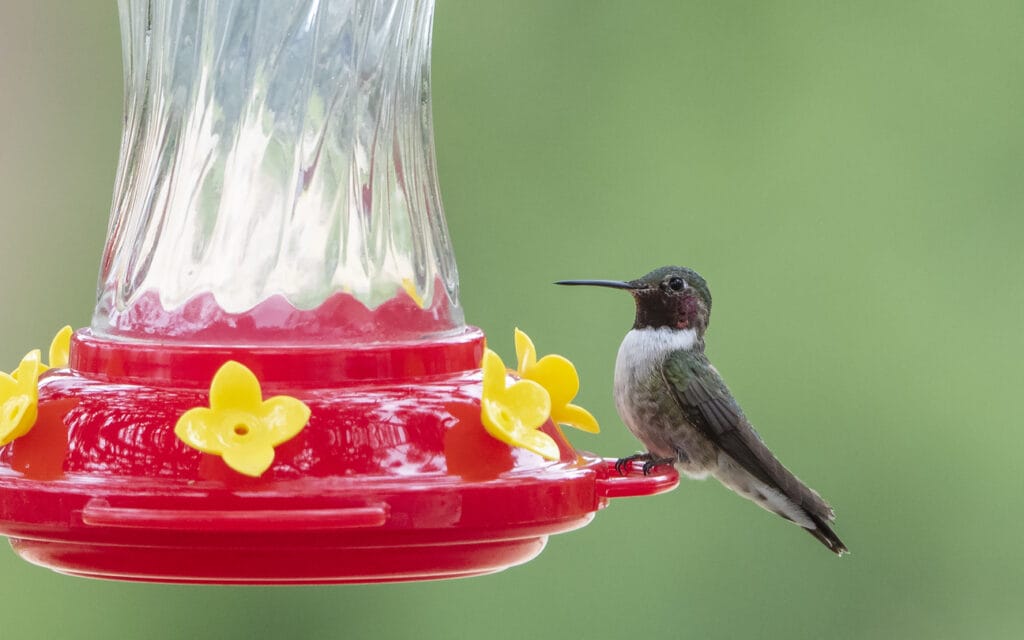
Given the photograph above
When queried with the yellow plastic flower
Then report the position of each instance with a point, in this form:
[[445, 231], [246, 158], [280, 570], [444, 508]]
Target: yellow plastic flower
[[60, 348], [513, 414], [239, 425], [19, 398], [558, 376]]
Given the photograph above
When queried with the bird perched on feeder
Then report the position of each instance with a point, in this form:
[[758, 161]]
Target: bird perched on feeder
[[675, 402]]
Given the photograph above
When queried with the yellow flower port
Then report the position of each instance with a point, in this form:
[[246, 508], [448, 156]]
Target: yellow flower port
[[239, 425], [19, 390], [60, 349], [514, 414], [19, 398], [559, 378]]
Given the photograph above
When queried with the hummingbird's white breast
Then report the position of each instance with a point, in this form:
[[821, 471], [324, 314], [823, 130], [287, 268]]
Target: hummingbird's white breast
[[640, 389], [643, 349]]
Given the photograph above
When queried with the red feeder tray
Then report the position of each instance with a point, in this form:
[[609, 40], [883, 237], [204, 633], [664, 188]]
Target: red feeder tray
[[394, 477]]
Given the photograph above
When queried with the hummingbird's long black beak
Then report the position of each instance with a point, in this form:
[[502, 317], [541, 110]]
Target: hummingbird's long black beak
[[614, 284]]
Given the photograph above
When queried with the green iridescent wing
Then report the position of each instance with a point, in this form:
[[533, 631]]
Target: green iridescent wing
[[708, 405]]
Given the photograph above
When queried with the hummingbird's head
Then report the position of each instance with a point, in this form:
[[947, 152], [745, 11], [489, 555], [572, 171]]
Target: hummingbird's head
[[673, 297]]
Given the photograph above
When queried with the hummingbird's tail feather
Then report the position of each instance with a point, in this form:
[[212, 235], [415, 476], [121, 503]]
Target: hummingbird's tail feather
[[826, 536], [814, 521], [801, 505]]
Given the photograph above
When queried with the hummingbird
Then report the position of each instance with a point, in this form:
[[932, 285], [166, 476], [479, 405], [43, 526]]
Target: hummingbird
[[675, 402]]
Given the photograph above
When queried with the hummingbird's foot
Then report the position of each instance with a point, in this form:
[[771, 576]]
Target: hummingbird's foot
[[622, 463], [653, 463]]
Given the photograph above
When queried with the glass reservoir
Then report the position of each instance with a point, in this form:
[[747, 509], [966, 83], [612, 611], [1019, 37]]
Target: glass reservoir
[[276, 205], [276, 180]]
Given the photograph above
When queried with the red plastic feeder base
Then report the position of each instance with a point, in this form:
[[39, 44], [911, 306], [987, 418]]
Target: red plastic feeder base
[[393, 478], [184, 566]]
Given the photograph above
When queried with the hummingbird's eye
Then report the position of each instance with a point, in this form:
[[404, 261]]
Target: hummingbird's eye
[[676, 284]]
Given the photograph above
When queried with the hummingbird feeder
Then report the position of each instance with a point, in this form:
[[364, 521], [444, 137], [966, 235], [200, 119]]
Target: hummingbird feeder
[[278, 386]]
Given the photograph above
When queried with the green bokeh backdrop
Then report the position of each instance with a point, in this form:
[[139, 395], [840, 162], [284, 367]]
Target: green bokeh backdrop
[[848, 177]]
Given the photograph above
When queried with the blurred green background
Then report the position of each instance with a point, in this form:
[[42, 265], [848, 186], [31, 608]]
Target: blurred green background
[[849, 177]]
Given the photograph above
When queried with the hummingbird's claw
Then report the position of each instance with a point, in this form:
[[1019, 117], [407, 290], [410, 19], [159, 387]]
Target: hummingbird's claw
[[622, 463], [653, 462]]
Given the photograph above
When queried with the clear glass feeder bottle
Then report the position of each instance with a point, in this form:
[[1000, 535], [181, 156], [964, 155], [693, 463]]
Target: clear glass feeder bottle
[[277, 180], [276, 205]]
